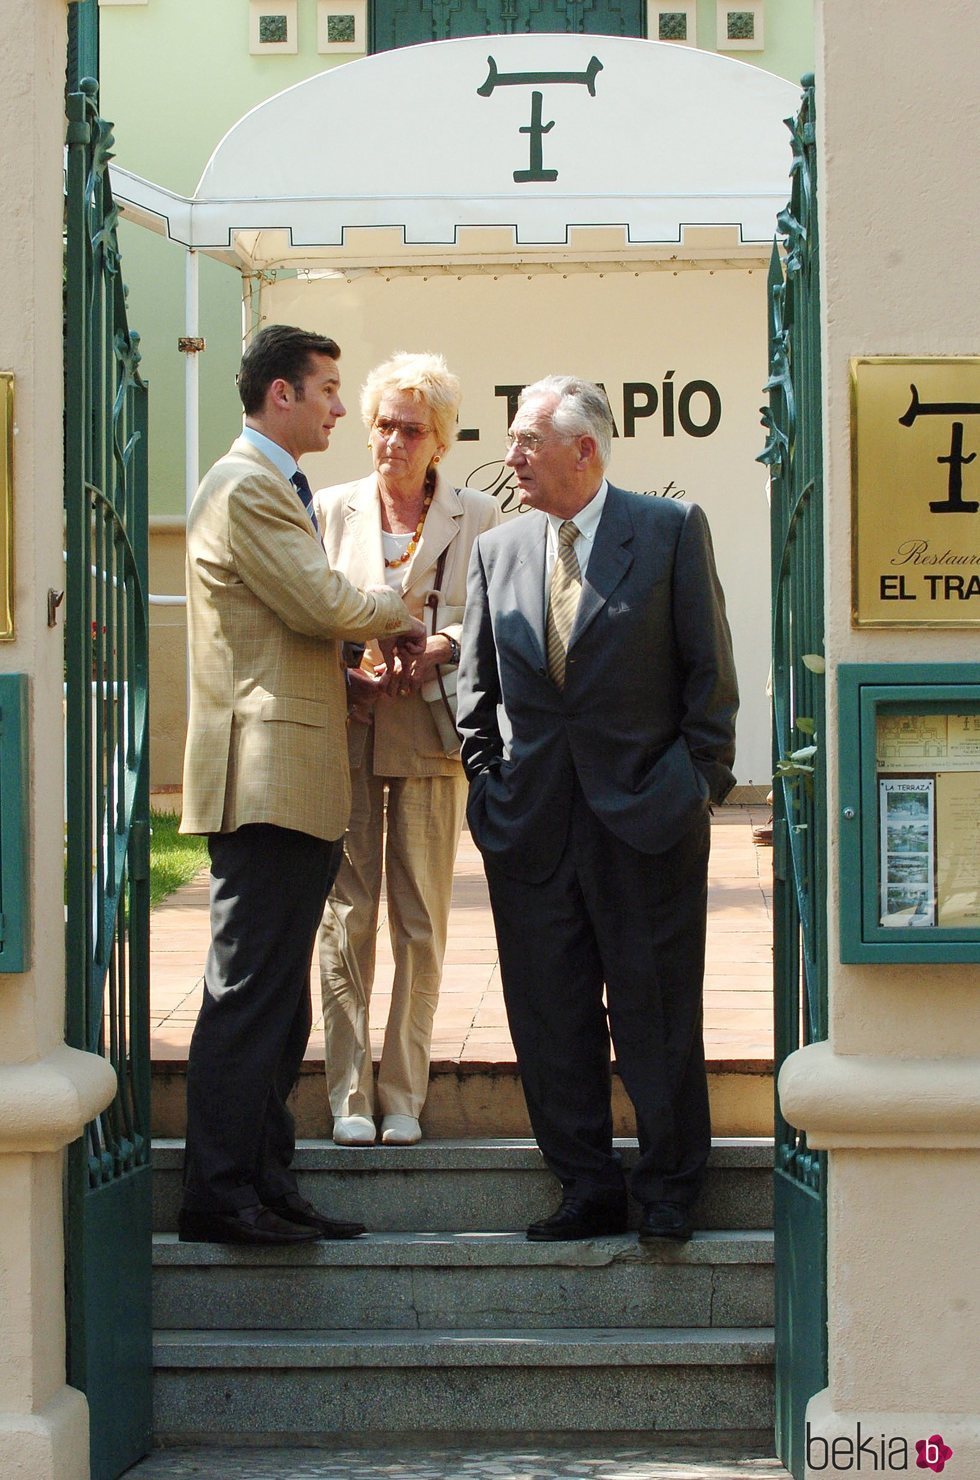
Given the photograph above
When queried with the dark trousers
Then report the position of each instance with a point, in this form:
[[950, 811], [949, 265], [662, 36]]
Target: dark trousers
[[268, 888], [634, 922]]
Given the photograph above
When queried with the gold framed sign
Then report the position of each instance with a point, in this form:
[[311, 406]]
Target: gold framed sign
[[6, 506], [915, 484]]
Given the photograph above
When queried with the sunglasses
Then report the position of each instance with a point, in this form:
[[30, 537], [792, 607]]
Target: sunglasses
[[412, 431]]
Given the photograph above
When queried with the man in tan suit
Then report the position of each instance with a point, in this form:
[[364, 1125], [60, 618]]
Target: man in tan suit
[[266, 778]]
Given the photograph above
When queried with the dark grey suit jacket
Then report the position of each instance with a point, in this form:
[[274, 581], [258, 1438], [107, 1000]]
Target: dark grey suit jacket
[[646, 722]]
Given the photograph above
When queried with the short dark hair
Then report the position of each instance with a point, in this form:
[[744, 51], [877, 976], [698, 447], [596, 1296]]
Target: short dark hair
[[279, 352]]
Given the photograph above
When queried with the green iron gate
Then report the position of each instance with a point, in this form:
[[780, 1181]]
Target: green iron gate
[[794, 456], [107, 803]]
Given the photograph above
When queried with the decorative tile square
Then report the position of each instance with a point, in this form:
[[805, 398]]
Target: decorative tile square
[[672, 20], [741, 25], [673, 26], [341, 26], [272, 27]]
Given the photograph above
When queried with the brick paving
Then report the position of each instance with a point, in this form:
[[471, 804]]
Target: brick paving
[[470, 1024]]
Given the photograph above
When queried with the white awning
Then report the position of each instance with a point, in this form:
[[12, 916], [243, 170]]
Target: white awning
[[537, 139]]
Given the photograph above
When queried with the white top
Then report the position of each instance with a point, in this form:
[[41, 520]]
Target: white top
[[393, 547]]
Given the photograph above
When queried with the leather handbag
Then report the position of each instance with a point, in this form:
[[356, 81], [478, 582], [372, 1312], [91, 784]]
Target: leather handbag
[[440, 692]]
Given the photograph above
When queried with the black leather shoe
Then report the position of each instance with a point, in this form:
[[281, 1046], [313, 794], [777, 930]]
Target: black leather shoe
[[580, 1217], [665, 1220], [302, 1214], [252, 1225]]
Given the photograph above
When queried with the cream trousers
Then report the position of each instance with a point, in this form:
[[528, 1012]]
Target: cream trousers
[[409, 826]]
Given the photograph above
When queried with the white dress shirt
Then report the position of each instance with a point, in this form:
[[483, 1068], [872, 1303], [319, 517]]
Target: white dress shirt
[[586, 521], [277, 455]]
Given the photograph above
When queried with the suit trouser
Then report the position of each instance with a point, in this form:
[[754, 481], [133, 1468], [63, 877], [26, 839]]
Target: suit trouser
[[417, 849], [268, 886], [636, 922]]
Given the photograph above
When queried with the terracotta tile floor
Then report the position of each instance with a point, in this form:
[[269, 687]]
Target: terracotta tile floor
[[470, 1023]]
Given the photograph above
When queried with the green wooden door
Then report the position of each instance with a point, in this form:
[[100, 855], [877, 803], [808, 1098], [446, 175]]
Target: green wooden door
[[394, 23], [107, 793], [794, 455]]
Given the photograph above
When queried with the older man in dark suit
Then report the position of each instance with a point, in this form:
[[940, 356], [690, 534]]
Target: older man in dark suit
[[597, 702]]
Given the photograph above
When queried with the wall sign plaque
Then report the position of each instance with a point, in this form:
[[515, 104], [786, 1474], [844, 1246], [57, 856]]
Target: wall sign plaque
[[915, 439]]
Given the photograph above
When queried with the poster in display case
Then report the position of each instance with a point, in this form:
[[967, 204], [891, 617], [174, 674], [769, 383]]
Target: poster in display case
[[910, 817]]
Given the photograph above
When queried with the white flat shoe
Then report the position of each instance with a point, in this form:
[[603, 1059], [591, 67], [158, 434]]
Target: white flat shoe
[[400, 1130], [354, 1130]]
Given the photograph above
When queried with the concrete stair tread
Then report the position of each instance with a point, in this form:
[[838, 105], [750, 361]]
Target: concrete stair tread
[[420, 1327], [477, 1186], [552, 1347], [461, 1250], [477, 1154]]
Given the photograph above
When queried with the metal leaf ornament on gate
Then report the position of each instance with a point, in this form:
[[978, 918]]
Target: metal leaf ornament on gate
[[793, 454]]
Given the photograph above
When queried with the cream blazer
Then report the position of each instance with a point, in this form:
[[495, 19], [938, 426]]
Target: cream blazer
[[266, 616], [406, 742]]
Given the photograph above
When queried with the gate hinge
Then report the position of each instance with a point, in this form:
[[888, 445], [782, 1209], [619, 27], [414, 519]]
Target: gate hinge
[[139, 850]]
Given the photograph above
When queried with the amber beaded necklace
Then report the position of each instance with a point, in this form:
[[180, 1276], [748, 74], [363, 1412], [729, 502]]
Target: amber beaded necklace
[[413, 544]]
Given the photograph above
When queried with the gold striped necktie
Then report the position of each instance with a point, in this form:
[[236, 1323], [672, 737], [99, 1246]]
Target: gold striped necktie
[[566, 588]]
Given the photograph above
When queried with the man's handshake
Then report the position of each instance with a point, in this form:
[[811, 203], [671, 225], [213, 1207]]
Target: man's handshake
[[405, 646]]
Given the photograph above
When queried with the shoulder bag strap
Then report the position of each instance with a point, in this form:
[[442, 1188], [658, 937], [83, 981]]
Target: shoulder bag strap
[[432, 602]]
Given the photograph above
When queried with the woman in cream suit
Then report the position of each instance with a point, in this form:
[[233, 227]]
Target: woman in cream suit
[[409, 791]]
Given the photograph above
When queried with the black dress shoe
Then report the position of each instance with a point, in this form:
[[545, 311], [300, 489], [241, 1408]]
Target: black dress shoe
[[665, 1220], [302, 1214], [252, 1225], [580, 1217]]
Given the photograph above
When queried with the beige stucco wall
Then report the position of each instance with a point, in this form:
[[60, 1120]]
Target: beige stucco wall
[[47, 1092], [895, 1093], [168, 654]]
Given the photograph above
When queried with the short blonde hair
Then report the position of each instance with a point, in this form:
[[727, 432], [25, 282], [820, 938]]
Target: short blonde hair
[[424, 376]]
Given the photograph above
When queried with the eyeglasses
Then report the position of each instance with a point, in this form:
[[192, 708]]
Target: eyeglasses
[[525, 442], [412, 431]]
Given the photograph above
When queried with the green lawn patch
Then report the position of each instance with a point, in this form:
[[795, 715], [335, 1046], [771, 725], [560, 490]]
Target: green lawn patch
[[174, 857]]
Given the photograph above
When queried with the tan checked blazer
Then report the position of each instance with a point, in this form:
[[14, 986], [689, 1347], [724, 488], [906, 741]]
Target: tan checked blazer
[[406, 742], [266, 615]]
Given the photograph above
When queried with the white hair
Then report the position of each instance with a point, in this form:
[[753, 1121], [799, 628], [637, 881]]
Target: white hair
[[582, 410]]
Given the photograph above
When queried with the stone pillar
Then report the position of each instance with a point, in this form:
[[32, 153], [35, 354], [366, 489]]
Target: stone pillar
[[895, 1092], [47, 1091]]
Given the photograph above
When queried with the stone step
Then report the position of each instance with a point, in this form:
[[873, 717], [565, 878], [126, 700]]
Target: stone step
[[223, 1385], [484, 1100], [441, 1281], [475, 1186], [603, 1456]]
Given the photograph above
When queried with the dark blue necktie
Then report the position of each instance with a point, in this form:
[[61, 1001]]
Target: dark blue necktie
[[301, 484]]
